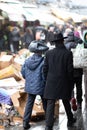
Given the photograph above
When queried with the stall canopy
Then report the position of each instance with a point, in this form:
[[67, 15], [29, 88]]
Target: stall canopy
[[64, 15], [44, 17], [15, 12], [9, 12], [18, 12]]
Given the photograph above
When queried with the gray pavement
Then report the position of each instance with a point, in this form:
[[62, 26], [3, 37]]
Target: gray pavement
[[60, 123]]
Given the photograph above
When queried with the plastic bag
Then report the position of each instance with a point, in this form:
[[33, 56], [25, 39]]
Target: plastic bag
[[78, 56]]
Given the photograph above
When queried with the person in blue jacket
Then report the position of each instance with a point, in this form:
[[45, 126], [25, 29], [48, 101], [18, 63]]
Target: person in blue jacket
[[34, 79]]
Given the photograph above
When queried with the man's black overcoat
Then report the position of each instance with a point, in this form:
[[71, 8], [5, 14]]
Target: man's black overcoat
[[58, 72]]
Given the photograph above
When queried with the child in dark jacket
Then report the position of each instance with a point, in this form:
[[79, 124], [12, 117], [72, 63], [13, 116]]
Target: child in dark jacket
[[34, 81]]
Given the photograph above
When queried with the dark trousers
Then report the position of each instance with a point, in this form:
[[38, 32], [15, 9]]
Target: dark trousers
[[78, 84], [50, 111], [29, 107], [14, 47]]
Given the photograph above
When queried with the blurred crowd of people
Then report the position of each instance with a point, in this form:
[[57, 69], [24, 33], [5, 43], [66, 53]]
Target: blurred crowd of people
[[13, 37]]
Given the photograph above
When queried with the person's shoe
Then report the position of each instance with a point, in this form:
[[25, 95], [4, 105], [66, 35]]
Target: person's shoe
[[26, 125], [70, 123], [48, 128]]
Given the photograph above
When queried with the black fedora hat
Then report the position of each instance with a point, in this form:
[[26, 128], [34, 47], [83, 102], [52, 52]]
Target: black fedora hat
[[57, 37]]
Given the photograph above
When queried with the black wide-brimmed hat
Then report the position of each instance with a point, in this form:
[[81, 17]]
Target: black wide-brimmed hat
[[57, 37], [37, 46]]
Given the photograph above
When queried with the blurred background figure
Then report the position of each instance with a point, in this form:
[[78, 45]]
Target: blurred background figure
[[14, 39], [39, 31], [50, 32], [27, 38], [73, 39], [2, 40]]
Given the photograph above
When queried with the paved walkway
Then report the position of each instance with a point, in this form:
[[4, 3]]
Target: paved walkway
[[61, 122]]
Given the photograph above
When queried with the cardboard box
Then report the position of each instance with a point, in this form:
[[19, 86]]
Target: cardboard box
[[17, 120], [20, 58], [37, 110], [5, 61], [17, 66], [9, 83], [3, 53], [10, 71], [22, 51], [19, 101]]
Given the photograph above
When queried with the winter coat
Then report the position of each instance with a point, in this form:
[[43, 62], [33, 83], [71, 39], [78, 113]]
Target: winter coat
[[58, 73], [1, 34], [27, 39], [72, 42], [50, 36], [32, 72], [85, 39], [14, 35]]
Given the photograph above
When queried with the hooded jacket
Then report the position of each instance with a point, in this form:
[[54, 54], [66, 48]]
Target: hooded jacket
[[84, 37], [72, 41], [32, 73]]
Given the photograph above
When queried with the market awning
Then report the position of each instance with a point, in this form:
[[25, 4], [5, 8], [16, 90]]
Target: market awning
[[64, 15], [43, 16], [11, 13], [15, 12], [22, 11]]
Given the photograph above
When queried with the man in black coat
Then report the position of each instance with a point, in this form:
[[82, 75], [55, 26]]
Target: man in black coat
[[58, 73]]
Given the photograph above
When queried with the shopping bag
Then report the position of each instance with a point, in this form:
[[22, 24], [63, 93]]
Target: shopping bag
[[78, 56]]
